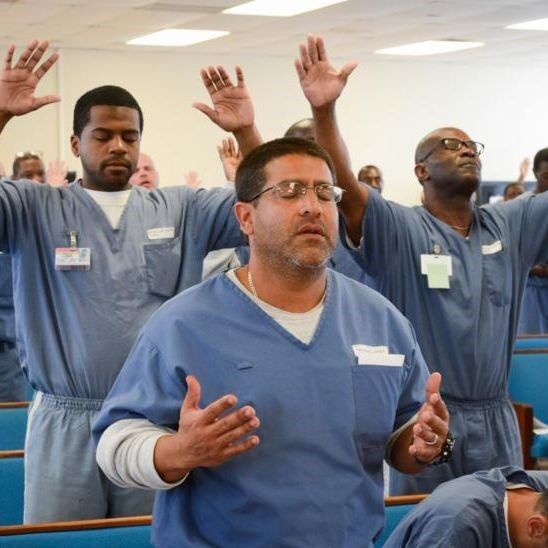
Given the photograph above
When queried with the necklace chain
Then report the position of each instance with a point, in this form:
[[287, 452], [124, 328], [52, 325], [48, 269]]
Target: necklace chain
[[251, 284], [466, 228]]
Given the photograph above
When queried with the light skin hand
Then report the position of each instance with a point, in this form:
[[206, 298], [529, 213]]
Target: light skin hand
[[206, 437], [232, 107], [18, 82], [433, 421], [230, 158], [56, 174], [320, 81], [192, 179]]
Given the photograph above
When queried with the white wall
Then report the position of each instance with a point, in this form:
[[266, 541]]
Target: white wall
[[386, 109]]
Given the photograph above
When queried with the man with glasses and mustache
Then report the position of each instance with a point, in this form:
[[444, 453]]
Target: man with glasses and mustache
[[457, 271], [292, 392]]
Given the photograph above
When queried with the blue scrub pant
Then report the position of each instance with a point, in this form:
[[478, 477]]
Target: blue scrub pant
[[487, 436], [62, 479], [13, 383]]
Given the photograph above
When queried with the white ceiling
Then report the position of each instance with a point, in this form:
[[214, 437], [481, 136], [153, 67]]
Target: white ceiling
[[353, 29]]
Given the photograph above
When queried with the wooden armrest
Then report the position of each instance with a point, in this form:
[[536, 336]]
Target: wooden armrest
[[403, 499], [75, 525], [524, 414], [11, 454], [13, 404]]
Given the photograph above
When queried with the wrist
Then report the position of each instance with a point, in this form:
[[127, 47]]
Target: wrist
[[444, 455], [169, 459]]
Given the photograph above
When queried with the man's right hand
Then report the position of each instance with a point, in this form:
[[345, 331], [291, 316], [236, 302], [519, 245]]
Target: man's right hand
[[18, 83], [206, 437]]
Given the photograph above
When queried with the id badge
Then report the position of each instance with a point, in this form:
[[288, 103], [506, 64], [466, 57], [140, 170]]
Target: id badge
[[438, 269], [72, 258]]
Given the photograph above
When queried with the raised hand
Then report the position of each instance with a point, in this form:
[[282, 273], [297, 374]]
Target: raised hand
[[232, 107], [230, 158], [320, 81], [192, 179], [430, 430], [56, 174], [18, 82]]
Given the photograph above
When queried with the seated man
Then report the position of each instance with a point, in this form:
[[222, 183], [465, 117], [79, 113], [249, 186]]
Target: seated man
[[328, 374], [499, 507]]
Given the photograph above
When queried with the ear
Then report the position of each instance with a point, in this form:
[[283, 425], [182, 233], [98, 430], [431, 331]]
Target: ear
[[75, 145], [244, 214], [421, 172], [536, 526]]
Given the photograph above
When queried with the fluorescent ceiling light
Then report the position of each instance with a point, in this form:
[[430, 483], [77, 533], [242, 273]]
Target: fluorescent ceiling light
[[176, 37], [537, 24], [280, 8], [430, 47]]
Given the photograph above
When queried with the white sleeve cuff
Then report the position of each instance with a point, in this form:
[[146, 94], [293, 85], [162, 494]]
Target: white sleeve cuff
[[125, 453]]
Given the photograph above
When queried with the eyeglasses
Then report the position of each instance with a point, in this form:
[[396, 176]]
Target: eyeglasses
[[29, 154], [293, 189], [451, 143]]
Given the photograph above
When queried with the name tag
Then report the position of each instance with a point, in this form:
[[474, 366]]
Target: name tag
[[490, 249], [161, 233], [388, 360], [438, 269], [72, 258]]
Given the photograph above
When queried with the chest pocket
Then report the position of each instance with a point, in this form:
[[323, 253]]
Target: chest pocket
[[162, 265], [497, 277], [376, 393]]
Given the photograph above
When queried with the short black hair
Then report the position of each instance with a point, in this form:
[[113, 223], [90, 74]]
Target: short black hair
[[540, 156], [362, 171], [509, 186], [19, 158], [250, 176], [113, 96]]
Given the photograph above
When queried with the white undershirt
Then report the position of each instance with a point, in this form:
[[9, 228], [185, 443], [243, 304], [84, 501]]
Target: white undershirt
[[302, 325], [112, 203]]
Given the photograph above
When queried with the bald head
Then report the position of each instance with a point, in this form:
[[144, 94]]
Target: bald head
[[146, 175], [303, 129], [429, 141]]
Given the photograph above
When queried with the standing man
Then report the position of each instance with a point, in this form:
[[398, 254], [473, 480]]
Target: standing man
[[371, 176], [92, 261], [327, 372], [145, 175], [455, 270]]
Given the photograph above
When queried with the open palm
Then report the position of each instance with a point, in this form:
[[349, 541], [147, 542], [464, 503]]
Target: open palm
[[18, 83]]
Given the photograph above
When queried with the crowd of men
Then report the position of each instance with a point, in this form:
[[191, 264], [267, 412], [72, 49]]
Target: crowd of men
[[260, 405]]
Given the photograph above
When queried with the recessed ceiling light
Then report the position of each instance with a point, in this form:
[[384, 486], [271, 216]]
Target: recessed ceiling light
[[176, 37], [280, 8], [430, 47], [537, 24]]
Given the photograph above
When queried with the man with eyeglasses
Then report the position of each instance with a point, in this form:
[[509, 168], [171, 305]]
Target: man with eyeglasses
[[291, 390], [457, 271]]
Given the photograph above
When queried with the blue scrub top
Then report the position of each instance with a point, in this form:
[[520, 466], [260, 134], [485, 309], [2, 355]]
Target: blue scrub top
[[7, 314], [467, 512], [75, 328], [533, 316], [465, 332], [316, 477]]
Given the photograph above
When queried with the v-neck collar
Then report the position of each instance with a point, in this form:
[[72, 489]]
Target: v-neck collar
[[114, 235], [447, 228], [326, 308]]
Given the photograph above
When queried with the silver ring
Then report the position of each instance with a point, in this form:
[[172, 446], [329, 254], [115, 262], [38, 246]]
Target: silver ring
[[434, 441]]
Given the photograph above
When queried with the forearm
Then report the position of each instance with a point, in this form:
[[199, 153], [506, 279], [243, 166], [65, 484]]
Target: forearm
[[126, 452], [355, 198], [167, 460], [248, 138], [5, 117]]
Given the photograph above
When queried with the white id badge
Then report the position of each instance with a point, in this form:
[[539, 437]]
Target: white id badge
[[72, 258], [438, 269]]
